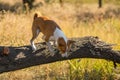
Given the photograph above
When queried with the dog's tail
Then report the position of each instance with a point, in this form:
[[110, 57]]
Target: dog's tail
[[35, 15]]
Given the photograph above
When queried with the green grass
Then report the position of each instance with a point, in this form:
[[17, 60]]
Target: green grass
[[90, 69]]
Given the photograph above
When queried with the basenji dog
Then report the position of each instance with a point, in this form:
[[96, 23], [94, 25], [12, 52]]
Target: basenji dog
[[51, 31]]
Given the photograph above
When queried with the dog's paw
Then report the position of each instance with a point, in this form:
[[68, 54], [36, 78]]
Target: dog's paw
[[34, 48], [64, 55]]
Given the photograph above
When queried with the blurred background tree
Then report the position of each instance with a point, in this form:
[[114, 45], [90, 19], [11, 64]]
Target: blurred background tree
[[28, 4], [100, 3]]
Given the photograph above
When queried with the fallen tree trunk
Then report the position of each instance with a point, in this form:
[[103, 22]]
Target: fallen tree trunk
[[86, 47]]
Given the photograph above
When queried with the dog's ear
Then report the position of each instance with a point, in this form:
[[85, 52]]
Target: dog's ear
[[35, 15], [71, 41], [61, 41]]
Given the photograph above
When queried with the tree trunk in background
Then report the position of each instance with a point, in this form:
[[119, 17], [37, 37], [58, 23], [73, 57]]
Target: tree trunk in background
[[100, 3], [61, 3], [28, 4]]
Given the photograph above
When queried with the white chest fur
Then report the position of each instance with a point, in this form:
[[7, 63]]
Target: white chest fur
[[58, 33]]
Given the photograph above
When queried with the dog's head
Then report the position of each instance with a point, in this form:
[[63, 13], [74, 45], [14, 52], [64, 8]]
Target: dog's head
[[64, 46]]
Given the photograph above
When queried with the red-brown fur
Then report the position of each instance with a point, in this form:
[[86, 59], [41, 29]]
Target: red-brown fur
[[47, 27]]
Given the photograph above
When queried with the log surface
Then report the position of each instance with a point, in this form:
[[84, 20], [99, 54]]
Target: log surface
[[85, 47]]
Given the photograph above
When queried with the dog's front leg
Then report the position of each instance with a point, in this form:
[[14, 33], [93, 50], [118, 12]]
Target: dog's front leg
[[50, 48], [46, 38]]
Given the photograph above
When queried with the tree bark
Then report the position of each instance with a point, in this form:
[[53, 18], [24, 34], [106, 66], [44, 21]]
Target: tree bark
[[86, 47]]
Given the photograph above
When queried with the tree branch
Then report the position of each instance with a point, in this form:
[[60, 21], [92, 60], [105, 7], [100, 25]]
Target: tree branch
[[86, 47]]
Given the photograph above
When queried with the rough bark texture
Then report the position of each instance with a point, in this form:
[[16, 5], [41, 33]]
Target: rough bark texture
[[86, 47]]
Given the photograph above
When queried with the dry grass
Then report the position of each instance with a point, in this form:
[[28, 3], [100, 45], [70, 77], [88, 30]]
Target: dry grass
[[15, 30]]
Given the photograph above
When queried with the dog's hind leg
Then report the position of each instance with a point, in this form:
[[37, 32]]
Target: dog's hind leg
[[35, 33]]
